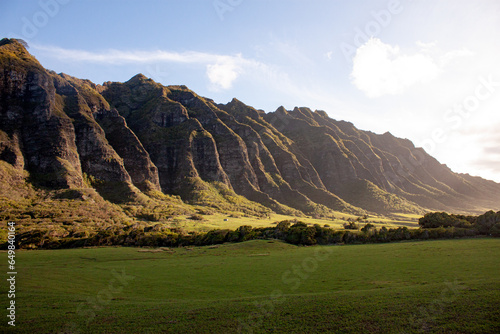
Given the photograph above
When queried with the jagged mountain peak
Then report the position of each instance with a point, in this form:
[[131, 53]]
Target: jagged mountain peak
[[17, 45], [281, 111], [15, 50], [240, 109], [139, 136], [322, 113], [139, 77]]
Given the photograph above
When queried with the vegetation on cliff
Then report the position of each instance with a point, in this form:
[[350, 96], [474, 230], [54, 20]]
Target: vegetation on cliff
[[73, 153]]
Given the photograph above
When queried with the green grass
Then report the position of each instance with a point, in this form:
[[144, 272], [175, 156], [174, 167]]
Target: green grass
[[237, 219], [450, 286]]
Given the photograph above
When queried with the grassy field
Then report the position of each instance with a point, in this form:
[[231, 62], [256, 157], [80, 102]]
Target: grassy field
[[233, 221], [260, 286]]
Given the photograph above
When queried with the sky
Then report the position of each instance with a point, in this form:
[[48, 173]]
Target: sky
[[426, 70]]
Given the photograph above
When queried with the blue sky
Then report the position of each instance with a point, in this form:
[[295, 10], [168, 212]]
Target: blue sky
[[426, 70]]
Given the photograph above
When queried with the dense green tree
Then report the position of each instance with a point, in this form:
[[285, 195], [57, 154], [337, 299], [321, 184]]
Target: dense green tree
[[485, 222], [301, 234]]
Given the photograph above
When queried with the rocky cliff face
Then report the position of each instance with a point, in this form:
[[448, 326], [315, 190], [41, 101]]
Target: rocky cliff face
[[39, 136], [49, 122], [140, 136]]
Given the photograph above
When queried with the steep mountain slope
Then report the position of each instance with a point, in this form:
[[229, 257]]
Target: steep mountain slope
[[136, 139], [379, 171], [191, 139], [50, 130]]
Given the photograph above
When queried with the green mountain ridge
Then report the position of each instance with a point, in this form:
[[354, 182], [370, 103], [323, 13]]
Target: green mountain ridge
[[143, 143]]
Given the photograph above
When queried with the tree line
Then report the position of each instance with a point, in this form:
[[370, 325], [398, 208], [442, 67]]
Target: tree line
[[436, 225], [487, 223]]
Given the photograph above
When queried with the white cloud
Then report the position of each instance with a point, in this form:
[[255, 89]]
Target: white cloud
[[221, 70], [381, 69], [426, 45], [222, 75], [455, 54], [119, 57]]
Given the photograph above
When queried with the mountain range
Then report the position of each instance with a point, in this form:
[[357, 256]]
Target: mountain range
[[139, 139]]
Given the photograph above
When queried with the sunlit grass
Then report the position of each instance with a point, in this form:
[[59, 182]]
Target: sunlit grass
[[234, 220]]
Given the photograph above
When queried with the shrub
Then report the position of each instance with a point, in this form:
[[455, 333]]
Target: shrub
[[368, 227], [485, 222], [301, 234], [495, 230], [351, 226], [437, 219]]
